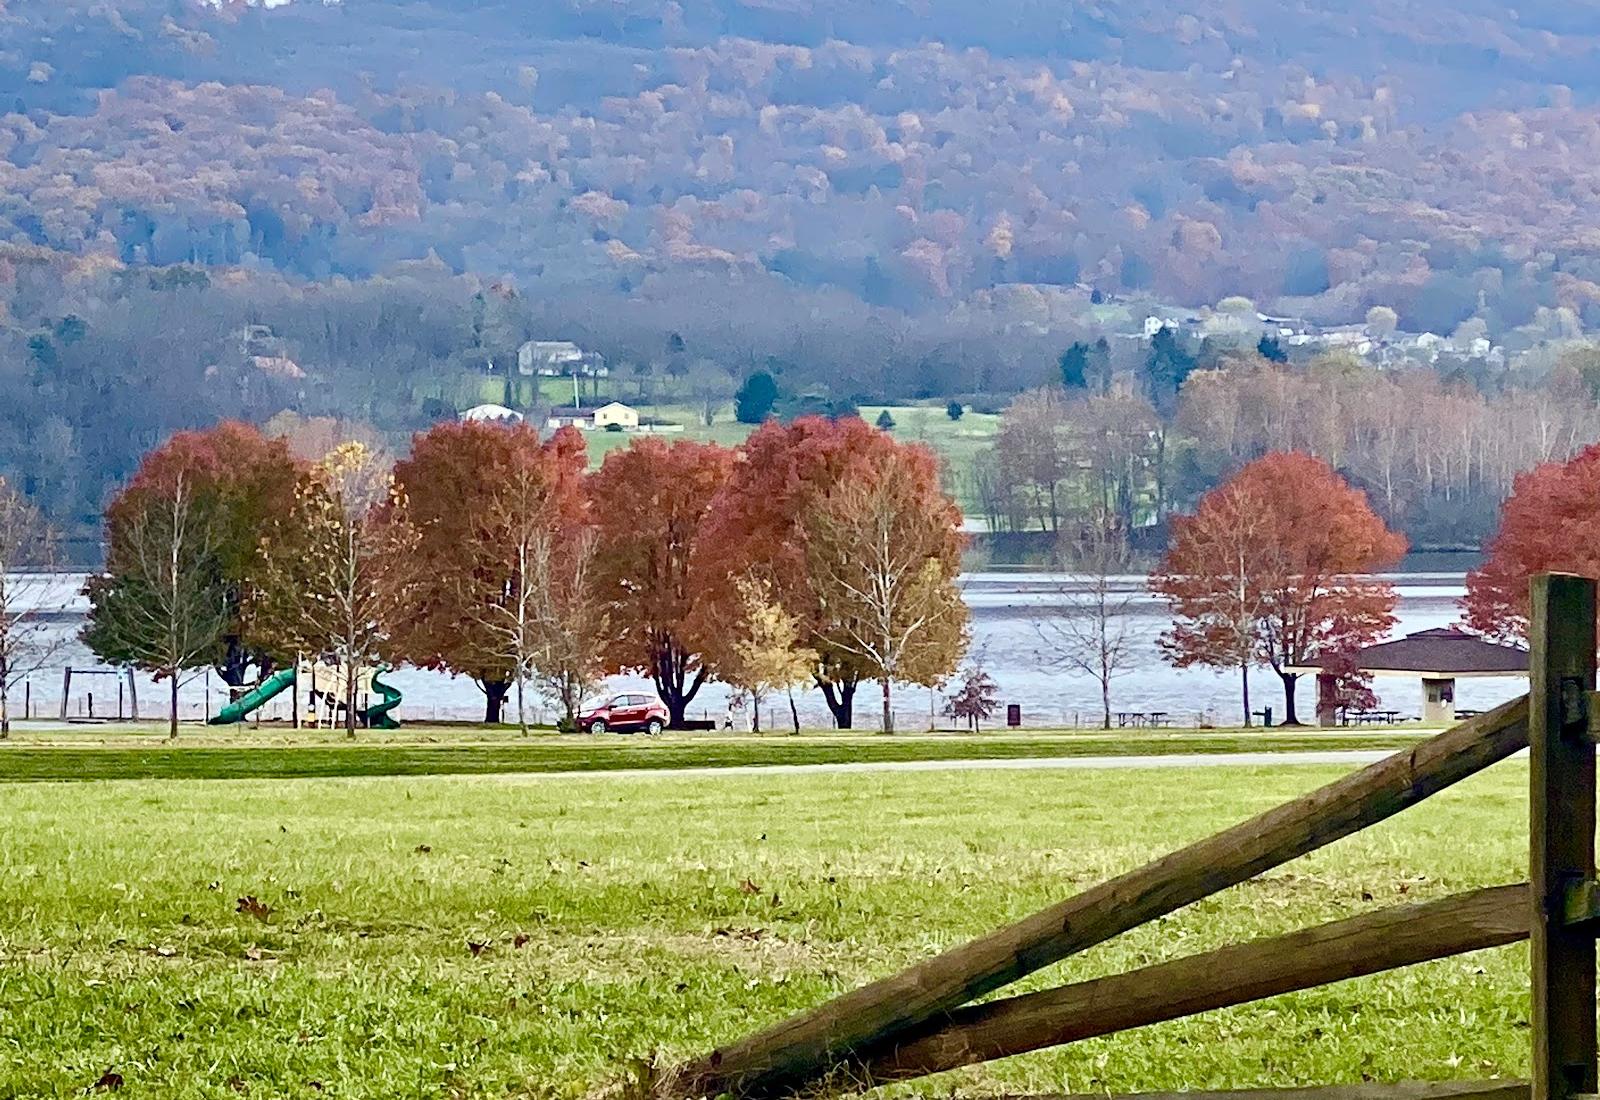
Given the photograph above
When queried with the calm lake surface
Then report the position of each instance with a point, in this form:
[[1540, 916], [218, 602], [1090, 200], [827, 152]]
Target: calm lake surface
[[1006, 610]]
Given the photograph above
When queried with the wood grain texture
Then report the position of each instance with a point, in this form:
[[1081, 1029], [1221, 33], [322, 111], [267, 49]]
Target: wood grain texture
[[804, 1046], [1561, 825], [1365, 944]]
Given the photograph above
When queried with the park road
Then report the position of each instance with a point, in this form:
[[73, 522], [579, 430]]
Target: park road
[[1345, 757]]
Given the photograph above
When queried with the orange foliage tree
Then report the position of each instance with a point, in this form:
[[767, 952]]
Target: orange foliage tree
[[237, 483], [1271, 568], [482, 499], [762, 523], [649, 504], [1549, 523]]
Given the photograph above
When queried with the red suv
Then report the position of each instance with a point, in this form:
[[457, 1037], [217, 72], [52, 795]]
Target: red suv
[[626, 712]]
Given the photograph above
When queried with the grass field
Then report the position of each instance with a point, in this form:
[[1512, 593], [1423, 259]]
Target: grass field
[[140, 752], [523, 936], [958, 442]]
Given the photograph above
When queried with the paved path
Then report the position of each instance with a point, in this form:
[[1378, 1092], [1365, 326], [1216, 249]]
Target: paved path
[[1345, 757]]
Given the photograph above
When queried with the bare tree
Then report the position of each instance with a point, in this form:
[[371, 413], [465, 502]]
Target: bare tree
[[884, 578], [569, 622], [162, 606], [1090, 630], [331, 577], [27, 557]]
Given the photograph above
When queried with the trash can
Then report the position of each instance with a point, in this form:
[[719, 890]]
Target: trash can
[[1013, 715]]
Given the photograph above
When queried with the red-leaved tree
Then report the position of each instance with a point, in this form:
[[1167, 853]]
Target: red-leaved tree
[[1273, 567], [649, 504], [1550, 523], [482, 498], [237, 483], [763, 523]]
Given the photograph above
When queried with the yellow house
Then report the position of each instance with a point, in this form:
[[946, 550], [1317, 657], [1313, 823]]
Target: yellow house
[[616, 413]]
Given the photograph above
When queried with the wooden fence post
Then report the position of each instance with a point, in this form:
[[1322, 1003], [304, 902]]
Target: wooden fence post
[[1561, 675]]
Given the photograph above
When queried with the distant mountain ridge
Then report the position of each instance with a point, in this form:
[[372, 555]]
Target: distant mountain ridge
[[1319, 157]]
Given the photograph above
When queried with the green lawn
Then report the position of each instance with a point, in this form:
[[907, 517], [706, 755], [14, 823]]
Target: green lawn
[[140, 752], [525, 936], [957, 442]]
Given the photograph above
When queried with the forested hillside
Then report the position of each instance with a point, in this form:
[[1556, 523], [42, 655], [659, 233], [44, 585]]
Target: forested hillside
[[359, 209], [1439, 158]]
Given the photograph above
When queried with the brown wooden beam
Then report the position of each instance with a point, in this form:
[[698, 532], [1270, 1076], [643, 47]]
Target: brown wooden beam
[[1401, 1090], [1365, 944], [804, 1046], [1561, 803]]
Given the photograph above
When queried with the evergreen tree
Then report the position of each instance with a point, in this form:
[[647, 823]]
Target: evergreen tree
[[1075, 366], [1167, 365], [753, 403], [1271, 350]]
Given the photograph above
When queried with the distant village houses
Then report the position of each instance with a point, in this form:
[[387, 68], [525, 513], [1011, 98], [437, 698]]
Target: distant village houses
[[557, 358], [611, 417]]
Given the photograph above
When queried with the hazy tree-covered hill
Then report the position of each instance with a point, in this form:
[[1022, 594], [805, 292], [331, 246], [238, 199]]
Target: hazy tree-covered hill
[[1324, 157]]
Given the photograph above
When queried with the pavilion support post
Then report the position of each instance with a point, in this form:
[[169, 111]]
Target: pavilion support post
[[1561, 676]]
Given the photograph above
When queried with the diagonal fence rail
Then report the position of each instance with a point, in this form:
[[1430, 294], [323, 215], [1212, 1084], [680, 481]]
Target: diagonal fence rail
[[921, 1020]]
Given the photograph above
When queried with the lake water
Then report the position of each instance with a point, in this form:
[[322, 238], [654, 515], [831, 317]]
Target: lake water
[[1006, 608]]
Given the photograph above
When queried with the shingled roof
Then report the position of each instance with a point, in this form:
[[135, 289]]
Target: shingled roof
[[1445, 650]]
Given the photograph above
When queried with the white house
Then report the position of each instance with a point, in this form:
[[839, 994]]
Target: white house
[[625, 417], [549, 357]]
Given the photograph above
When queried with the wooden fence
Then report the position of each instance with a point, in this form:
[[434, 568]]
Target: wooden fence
[[923, 1021]]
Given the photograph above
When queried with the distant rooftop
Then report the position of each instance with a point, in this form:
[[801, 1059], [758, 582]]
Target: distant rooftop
[[1448, 651]]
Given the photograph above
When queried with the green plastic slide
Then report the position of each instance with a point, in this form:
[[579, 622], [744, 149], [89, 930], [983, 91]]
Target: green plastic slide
[[274, 685], [378, 716]]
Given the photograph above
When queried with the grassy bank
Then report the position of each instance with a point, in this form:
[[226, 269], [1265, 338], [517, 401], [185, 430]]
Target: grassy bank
[[140, 753], [450, 937]]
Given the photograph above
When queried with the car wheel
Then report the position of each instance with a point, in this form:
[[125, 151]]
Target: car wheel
[[597, 726], [654, 727]]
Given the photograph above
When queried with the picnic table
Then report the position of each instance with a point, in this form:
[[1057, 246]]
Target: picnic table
[[1143, 719], [1371, 717]]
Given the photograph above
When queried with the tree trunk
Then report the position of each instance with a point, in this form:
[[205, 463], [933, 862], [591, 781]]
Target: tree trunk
[[755, 712], [350, 700], [888, 715], [5, 703], [1105, 702], [841, 697], [235, 659], [1290, 718], [670, 674], [794, 713], [494, 700], [522, 712], [172, 709], [1244, 680]]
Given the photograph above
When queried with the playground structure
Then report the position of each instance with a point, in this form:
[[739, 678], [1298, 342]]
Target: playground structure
[[324, 685], [118, 676]]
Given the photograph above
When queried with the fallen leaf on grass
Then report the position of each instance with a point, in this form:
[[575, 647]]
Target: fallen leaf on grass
[[110, 1081], [752, 934], [161, 952], [479, 948], [253, 953], [748, 887], [252, 906], [424, 849], [521, 940]]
